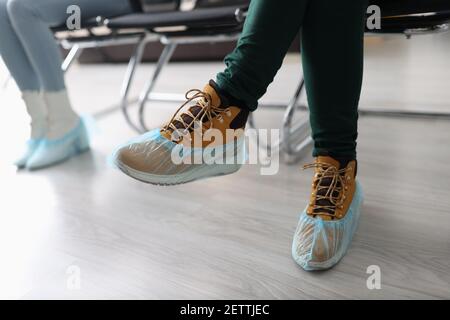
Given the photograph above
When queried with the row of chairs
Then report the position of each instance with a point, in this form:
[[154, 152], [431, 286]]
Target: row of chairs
[[221, 20]]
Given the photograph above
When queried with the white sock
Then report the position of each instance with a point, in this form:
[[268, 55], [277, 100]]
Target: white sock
[[37, 110], [61, 117]]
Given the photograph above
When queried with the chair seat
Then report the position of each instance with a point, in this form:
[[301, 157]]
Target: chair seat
[[407, 7], [199, 32], [414, 22], [402, 23], [90, 23], [199, 18], [98, 39]]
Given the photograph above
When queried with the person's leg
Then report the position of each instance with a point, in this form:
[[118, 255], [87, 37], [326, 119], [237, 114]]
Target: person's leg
[[31, 21], [34, 59], [16, 59], [225, 104], [332, 53], [14, 55], [268, 32]]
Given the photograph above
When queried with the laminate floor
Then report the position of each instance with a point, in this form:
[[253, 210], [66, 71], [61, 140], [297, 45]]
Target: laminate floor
[[84, 230]]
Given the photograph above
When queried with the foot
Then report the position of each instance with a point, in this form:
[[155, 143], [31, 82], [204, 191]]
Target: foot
[[52, 151], [327, 225], [37, 111], [182, 151], [30, 148]]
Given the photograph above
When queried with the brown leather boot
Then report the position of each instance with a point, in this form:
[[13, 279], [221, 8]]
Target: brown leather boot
[[327, 225], [204, 138]]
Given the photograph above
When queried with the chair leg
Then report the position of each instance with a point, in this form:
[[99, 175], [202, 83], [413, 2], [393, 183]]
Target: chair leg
[[165, 57], [295, 141], [73, 54], [301, 131], [135, 60]]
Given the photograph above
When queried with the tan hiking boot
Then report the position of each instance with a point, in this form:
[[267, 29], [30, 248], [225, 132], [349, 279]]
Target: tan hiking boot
[[328, 223], [201, 140]]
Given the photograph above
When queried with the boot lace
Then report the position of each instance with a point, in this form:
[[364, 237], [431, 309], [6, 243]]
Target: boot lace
[[329, 186], [203, 111]]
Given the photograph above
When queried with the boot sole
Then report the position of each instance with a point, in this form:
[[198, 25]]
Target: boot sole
[[161, 180]]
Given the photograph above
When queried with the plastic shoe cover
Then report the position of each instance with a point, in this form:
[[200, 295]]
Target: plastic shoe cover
[[30, 147], [154, 159], [50, 152], [320, 244]]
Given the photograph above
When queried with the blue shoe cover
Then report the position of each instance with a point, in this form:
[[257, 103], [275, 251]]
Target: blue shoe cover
[[154, 159], [30, 147], [50, 152], [320, 244]]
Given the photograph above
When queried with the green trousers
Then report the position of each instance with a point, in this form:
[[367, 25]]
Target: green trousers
[[332, 53]]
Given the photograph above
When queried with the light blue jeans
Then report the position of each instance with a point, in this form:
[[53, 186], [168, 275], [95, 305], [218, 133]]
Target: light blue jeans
[[27, 45]]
